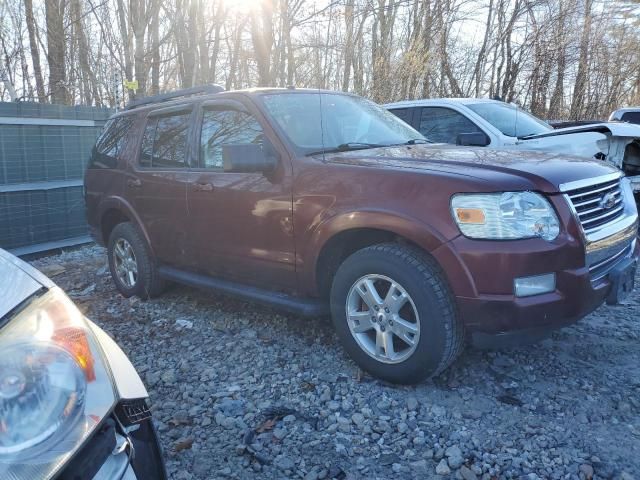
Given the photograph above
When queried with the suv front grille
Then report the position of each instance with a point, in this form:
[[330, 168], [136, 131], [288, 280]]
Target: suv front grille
[[597, 205], [603, 267]]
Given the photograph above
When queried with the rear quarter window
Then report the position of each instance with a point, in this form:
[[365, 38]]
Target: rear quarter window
[[164, 142], [111, 142]]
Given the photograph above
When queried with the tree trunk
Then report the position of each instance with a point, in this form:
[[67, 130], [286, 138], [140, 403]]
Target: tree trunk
[[426, 45], [348, 47], [478, 71], [203, 48], [126, 43], [216, 50], [358, 62], [90, 83], [382, 40], [556, 104], [56, 50], [155, 46], [579, 91], [139, 26], [35, 51], [232, 79], [262, 39], [8, 84]]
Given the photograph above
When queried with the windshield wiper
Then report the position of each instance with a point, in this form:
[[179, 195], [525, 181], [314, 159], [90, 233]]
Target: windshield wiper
[[529, 135], [416, 141], [346, 147]]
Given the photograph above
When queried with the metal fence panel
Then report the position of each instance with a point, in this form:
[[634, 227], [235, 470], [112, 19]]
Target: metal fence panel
[[43, 153]]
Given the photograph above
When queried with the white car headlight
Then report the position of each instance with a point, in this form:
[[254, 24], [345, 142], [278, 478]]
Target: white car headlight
[[505, 216], [55, 387]]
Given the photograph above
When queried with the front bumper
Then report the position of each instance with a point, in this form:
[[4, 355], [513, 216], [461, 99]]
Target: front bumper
[[118, 449], [125, 445], [476, 269]]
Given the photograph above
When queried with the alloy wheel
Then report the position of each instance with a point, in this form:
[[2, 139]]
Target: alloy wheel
[[382, 318], [125, 263]]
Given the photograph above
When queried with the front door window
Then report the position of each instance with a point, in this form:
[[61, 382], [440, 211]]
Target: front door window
[[225, 127], [443, 125]]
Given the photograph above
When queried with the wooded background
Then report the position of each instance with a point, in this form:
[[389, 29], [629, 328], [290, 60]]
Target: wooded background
[[561, 59]]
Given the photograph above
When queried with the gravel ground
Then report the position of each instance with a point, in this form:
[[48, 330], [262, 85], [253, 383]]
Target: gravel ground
[[217, 368]]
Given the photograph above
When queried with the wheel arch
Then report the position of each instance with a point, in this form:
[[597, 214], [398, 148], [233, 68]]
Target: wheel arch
[[117, 210], [343, 235]]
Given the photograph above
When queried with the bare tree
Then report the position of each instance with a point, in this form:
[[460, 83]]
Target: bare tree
[[56, 50], [35, 51], [579, 91], [262, 38], [544, 54]]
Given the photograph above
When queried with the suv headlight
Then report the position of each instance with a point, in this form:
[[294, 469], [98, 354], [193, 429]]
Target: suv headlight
[[505, 216], [55, 387]]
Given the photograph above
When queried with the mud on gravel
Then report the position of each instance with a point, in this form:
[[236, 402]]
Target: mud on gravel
[[241, 391]]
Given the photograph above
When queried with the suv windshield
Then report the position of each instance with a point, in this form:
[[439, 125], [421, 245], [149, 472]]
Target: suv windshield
[[317, 122], [510, 120]]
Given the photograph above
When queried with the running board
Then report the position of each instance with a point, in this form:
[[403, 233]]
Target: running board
[[281, 301]]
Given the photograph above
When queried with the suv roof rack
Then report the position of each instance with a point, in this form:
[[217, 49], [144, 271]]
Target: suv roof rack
[[164, 97]]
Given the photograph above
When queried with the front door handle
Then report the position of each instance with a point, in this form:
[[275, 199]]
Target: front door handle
[[203, 187], [134, 182]]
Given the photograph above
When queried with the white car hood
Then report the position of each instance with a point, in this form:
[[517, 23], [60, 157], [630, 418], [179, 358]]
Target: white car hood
[[617, 129], [602, 141], [18, 282]]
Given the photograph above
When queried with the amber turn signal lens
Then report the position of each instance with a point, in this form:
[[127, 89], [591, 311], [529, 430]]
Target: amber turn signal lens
[[470, 215], [75, 342]]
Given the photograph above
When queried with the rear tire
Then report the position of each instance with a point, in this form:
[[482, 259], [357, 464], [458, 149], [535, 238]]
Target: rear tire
[[133, 269], [408, 329]]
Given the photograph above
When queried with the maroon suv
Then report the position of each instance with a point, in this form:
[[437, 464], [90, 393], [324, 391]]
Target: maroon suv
[[314, 201]]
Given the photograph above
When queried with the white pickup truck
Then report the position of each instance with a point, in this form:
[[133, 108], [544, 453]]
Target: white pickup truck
[[629, 115], [500, 125]]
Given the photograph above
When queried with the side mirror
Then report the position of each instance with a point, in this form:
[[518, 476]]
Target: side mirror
[[477, 139], [249, 158]]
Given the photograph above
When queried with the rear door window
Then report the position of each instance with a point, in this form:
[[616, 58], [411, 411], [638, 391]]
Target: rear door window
[[164, 142], [404, 114], [443, 125], [111, 142], [226, 127], [631, 117]]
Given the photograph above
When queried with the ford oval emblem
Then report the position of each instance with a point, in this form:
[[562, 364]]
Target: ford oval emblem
[[608, 201]]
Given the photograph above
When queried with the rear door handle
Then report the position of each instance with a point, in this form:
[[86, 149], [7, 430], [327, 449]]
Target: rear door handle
[[203, 187], [134, 182]]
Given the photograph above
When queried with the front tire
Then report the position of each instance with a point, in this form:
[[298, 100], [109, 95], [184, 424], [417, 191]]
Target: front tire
[[133, 269], [395, 314]]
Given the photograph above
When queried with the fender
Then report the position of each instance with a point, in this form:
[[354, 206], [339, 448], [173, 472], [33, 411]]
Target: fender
[[121, 204], [425, 236], [127, 381]]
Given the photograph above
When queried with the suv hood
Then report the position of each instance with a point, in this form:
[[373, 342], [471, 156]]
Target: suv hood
[[18, 282], [501, 168]]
